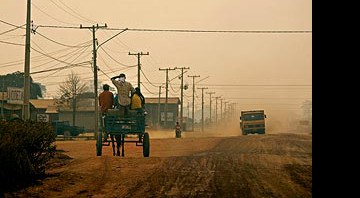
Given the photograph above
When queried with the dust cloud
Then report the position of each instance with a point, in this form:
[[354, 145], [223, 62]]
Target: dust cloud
[[276, 122]]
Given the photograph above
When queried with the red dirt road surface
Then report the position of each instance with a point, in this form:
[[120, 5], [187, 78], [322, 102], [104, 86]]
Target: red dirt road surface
[[270, 165]]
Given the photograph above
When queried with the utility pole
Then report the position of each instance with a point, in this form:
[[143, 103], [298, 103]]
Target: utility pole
[[221, 109], [216, 99], [182, 94], [139, 65], [225, 110], [202, 107], [193, 100], [188, 111], [159, 121], [166, 90], [26, 106], [210, 93], [94, 28], [3, 98]]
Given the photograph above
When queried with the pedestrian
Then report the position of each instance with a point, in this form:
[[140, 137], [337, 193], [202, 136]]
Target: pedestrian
[[125, 91]]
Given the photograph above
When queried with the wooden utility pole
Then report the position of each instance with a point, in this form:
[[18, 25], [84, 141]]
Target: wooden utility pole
[[166, 90], [159, 121], [193, 100], [182, 94], [93, 29], [216, 99], [139, 64], [26, 106], [225, 110], [210, 93], [221, 109], [202, 107]]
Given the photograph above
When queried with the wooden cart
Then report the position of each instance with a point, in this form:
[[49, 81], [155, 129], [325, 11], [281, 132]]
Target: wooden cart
[[119, 126]]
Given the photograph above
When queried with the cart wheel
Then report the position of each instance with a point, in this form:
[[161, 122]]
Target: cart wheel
[[99, 144], [146, 145]]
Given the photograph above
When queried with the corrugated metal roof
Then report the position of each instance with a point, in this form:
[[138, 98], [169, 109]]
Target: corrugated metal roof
[[42, 103]]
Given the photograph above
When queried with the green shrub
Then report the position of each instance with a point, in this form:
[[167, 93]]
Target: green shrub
[[25, 147]]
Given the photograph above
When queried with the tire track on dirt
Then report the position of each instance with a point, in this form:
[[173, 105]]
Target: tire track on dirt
[[100, 179]]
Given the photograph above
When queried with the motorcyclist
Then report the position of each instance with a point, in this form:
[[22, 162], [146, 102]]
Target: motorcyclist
[[177, 130]]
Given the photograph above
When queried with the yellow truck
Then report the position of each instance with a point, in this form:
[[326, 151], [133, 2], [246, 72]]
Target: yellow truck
[[252, 122]]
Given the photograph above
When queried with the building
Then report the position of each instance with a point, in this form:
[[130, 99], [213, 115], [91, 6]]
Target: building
[[49, 110], [152, 106], [44, 110]]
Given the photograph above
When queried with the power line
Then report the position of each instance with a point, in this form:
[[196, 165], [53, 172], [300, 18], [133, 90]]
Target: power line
[[34, 59], [67, 11], [222, 31], [64, 67], [197, 31], [50, 15], [148, 90], [86, 19], [11, 29], [65, 45], [147, 78], [56, 58], [116, 60], [72, 53], [259, 85], [11, 43], [7, 23]]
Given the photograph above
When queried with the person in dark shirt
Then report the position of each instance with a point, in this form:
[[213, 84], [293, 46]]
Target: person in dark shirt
[[106, 99]]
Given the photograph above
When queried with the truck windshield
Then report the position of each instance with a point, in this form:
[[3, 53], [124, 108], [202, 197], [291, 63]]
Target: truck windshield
[[253, 117]]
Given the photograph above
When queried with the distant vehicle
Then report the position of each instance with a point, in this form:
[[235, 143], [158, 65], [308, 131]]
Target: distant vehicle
[[252, 122], [64, 128]]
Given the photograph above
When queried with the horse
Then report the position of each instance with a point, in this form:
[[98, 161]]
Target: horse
[[118, 144]]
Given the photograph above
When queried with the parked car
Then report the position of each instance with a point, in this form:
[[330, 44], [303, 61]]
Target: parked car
[[64, 128]]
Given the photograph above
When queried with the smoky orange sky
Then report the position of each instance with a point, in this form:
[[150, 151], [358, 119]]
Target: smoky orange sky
[[271, 71]]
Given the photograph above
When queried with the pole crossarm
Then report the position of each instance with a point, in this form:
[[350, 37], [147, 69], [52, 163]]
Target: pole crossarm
[[139, 54], [166, 89]]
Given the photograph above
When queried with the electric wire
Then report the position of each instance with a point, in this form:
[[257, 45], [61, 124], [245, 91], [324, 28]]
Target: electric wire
[[33, 4], [11, 30], [65, 45], [85, 19], [116, 60], [61, 8]]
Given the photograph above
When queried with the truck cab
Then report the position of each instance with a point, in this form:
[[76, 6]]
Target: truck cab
[[252, 122]]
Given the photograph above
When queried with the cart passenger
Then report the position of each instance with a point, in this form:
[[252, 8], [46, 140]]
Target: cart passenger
[[138, 101], [106, 99], [125, 91]]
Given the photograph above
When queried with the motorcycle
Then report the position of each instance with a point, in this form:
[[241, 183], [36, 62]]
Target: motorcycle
[[178, 133]]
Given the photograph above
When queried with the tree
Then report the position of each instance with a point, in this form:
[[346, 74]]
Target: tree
[[16, 79], [69, 90]]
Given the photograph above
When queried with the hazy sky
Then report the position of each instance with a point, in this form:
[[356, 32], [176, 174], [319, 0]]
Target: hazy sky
[[226, 62]]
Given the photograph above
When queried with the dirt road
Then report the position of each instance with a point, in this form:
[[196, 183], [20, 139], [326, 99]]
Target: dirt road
[[270, 165]]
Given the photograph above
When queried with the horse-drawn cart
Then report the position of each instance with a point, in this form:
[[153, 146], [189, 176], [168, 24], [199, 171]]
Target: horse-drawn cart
[[119, 127]]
